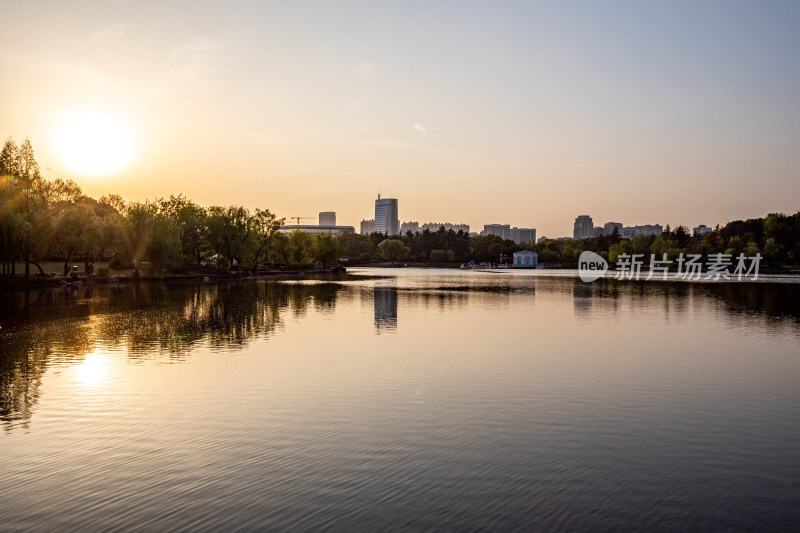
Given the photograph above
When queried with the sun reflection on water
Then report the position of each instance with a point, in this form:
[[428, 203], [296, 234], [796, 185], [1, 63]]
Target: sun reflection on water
[[94, 370]]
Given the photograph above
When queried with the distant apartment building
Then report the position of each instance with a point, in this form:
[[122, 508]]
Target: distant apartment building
[[609, 227], [405, 227], [501, 230], [630, 232], [327, 218], [367, 227], [541, 239], [583, 227], [434, 226], [701, 230], [518, 235], [523, 235], [386, 218]]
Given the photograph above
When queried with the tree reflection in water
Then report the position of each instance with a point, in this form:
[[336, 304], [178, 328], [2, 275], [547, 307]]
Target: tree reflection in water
[[145, 320], [41, 326]]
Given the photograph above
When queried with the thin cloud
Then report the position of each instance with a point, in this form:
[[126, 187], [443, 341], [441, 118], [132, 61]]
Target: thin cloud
[[112, 32], [420, 128], [77, 72], [191, 68]]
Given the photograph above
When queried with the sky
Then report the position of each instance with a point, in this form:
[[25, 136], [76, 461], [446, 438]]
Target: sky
[[524, 113]]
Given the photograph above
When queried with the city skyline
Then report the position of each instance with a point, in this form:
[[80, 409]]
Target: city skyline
[[678, 113]]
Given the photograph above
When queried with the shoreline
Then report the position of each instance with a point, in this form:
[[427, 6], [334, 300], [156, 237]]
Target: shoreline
[[772, 276]]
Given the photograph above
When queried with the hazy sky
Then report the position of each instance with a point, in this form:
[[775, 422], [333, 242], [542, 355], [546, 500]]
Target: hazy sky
[[526, 113]]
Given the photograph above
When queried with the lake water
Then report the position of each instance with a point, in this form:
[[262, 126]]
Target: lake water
[[401, 399]]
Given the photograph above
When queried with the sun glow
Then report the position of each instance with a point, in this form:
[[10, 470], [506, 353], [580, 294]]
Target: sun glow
[[94, 144], [93, 370]]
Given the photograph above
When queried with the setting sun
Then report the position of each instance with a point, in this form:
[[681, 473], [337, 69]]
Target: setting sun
[[94, 144]]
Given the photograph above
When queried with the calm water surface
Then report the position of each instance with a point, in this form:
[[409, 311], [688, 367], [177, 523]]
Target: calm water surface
[[401, 399]]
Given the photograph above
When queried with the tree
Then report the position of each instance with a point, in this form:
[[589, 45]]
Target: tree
[[9, 159], [113, 201], [664, 244], [356, 245], [266, 225], [75, 228], [393, 250], [13, 226], [152, 237], [327, 250], [438, 256], [105, 239], [279, 248], [191, 220], [622, 247], [20, 163], [299, 248], [58, 191], [232, 233]]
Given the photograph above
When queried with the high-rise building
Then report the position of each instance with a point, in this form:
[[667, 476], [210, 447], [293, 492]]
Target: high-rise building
[[386, 219], [583, 228], [327, 218], [367, 227]]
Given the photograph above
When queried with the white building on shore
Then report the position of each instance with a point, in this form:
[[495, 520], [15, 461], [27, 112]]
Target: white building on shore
[[526, 259]]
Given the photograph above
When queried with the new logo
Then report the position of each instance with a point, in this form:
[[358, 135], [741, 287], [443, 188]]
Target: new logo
[[591, 266]]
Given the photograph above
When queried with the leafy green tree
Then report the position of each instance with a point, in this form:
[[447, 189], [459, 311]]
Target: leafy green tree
[[300, 244], [13, 227], [548, 256], [356, 245], [60, 191], [624, 246], [438, 256], [681, 234], [393, 250], [266, 227], [114, 202], [152, 237], [665, 244], [232, 233], [106, 238], [326, 250], [19, 162], [9, 159], [771, 249], [280, 248], [192, 222], [76, 227]]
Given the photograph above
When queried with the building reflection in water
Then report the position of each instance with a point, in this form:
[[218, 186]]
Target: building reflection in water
[[385, 302], [45, 326]]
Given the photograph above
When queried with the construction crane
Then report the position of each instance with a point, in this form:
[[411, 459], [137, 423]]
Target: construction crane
[[300, 218]]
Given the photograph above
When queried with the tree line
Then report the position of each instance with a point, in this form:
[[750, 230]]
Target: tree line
[[52, 220], [775, 237]]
